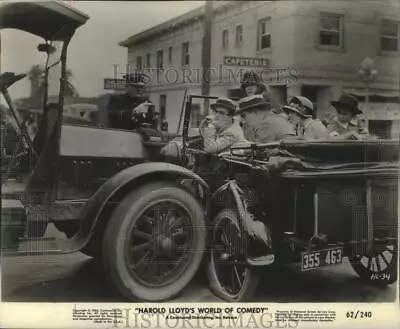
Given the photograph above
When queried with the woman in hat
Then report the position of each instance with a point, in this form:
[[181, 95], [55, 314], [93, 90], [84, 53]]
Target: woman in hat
[[223, 131], [300, 113], [345, 125], [251, 84]]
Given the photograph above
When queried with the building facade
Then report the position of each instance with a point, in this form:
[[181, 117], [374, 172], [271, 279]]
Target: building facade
[[318, 47]]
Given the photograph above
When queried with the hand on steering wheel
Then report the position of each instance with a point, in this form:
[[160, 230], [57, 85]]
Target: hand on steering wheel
[[206, 128]]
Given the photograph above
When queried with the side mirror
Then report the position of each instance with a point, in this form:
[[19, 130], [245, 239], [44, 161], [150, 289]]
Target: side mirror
[[46, 48]]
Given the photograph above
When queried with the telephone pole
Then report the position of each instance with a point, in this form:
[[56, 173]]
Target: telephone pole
[[206, 53]]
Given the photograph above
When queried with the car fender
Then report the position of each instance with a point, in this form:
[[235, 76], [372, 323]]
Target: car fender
[[141, 173], [231, 194]]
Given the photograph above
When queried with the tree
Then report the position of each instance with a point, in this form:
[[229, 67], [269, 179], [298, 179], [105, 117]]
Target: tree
[[35, 75], [70, 90]]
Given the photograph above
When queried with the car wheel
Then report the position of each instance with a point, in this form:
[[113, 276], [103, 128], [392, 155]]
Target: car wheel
[[380, 268], [154, 242], [229, 276]]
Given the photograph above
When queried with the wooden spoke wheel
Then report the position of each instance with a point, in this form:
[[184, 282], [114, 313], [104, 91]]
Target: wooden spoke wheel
[[380, 267], [230, 277], [154, 242]]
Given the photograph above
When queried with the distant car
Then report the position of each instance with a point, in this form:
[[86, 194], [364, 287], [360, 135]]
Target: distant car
[[80, 113]]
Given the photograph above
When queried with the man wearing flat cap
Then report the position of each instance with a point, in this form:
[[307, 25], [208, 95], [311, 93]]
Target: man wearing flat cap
[[263, 126], [300, 113], [132, 109], [345, 125], [223, 131]]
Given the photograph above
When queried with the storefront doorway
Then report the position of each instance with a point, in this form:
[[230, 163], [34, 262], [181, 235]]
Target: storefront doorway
[[380, 128]]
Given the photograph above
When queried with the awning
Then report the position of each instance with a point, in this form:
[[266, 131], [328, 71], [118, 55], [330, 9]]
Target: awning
[[361, 92], [50, 20]]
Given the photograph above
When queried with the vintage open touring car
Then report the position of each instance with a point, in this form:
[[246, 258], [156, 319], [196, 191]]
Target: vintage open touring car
[[307, 202], [153, 222]]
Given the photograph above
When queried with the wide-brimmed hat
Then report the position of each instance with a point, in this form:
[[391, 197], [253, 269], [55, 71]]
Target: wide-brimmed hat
[[349, 102], [253, 102], [250, 78], [300, 105], [225, 103]]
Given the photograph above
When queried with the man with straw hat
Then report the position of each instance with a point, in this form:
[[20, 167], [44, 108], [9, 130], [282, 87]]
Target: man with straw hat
[[300, 113], [225, 130]]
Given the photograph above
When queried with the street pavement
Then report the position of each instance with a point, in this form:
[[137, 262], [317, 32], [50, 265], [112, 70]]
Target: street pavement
[[78, 278]]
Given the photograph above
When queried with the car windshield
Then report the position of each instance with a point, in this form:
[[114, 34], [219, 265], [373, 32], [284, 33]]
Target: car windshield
[[53, 69]]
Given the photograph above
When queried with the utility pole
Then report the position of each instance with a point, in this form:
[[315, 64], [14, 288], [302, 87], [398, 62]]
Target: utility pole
[[206, 53], [368, 73]]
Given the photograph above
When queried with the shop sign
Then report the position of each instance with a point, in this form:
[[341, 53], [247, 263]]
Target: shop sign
[[114, 84], [246, 61]]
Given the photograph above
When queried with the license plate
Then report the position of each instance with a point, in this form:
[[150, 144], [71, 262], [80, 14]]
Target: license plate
[[320, 258]]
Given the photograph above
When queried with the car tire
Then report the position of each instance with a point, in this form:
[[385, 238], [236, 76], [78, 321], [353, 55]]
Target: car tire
[[124, 223], [249, 274], [368, 270]]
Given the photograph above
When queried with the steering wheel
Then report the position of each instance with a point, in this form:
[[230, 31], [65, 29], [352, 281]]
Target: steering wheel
[[7, 79]]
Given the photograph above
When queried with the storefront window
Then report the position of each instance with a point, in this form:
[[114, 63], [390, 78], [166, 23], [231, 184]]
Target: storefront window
[[380, 128], [389, 35]]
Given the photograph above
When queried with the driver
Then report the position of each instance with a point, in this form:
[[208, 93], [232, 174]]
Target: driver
[[127, 111], [264, 126], [223, 131]]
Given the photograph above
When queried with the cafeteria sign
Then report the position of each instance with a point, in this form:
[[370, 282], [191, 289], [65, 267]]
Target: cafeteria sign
[[114, 84], [246, 61]]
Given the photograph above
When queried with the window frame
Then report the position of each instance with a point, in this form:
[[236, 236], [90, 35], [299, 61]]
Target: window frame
[[260, 34], [170, 55], [148, 60], [340, 32], [381, 36], [185, 54], [225, 38], [160, 67], [238, 42], [163, 105], [139, 60]]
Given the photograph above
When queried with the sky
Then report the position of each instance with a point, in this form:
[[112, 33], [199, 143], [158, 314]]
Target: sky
[[94, 48]]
